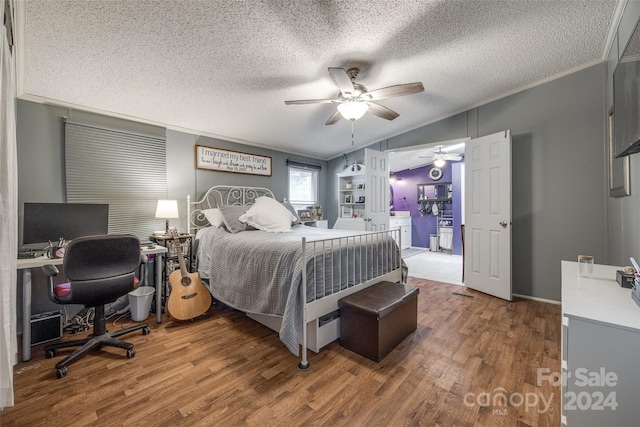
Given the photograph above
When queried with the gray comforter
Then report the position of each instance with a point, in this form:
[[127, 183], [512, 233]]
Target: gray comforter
[[259, 272]]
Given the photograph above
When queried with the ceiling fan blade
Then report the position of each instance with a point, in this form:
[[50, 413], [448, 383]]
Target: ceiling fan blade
[[342, 81], [453, 157], [334, 118], [381, 111], [397, 90], [310, 101]]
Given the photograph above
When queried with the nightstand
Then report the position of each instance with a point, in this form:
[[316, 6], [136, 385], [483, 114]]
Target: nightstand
[[171, 262]]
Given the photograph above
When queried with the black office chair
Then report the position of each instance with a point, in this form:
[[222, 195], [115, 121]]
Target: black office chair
[[100, 269]]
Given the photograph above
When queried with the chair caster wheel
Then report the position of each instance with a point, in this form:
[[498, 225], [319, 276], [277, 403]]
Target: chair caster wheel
[[131, 353], [61, 372], [146, 331], [49, 354]]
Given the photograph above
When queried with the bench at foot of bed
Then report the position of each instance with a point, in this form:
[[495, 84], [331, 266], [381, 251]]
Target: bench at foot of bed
[[375, 320]]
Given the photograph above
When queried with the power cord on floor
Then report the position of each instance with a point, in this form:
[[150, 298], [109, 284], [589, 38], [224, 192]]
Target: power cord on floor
[[81, 322]]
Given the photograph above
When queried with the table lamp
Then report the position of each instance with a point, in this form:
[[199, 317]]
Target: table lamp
[[167, 209]]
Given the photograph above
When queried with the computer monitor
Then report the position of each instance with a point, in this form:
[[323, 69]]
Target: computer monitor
[[45, 222]]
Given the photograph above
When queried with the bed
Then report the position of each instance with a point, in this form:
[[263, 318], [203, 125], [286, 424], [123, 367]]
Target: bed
[[261, 272]]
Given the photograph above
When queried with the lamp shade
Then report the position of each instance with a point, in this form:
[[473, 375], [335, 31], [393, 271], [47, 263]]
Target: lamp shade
[[167, 209], [353, 110]]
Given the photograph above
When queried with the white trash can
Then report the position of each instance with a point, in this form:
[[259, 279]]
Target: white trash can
[[433, 242], [140, 300]]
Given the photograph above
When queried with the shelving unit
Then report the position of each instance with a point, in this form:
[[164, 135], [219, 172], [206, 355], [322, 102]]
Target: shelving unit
[[441, 194], [445, 230], [351, 195]]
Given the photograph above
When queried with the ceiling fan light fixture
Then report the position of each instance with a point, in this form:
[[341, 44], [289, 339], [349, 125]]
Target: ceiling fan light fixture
[[439, 163], [353, 110]]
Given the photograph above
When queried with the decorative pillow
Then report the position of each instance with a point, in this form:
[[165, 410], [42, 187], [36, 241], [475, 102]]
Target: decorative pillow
[[268, 214], [214, 216], [230, 215], [293, 212]]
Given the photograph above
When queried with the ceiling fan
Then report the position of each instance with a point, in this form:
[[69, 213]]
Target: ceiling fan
[[440, 157], [354, 100]]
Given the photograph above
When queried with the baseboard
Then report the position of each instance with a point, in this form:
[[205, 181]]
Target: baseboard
[[548, 301]]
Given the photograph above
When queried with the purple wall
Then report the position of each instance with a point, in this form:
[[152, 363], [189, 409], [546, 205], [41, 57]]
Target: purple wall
[[405, 198]]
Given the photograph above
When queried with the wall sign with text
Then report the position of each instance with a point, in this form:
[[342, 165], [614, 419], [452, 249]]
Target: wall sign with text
[[216, 159]]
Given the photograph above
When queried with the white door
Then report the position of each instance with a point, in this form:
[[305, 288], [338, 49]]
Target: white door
[[376, 190], [487, 263]]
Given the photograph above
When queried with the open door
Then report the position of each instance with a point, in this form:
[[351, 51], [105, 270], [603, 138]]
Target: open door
[[487, 262], [376, 190]]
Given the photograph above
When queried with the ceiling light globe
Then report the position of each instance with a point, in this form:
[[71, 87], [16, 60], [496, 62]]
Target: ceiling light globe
[[439, 163], [353, 110]]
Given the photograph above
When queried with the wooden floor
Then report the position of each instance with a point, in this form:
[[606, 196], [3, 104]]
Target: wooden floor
[[471, 362]]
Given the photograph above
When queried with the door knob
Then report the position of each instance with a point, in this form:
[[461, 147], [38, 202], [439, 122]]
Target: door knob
[[503, 224]]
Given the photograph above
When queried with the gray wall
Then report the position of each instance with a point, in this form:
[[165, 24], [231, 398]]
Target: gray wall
[[41, 177], [558, 162]]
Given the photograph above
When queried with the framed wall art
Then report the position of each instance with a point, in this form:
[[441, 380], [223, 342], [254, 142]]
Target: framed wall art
[[217, 159]]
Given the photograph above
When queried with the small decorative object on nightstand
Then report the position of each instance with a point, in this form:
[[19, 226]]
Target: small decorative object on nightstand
[[304, 215]]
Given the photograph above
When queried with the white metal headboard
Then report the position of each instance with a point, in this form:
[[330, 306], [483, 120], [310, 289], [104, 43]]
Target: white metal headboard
[[221, 195]]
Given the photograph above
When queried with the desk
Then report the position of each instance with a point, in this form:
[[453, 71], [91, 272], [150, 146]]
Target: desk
[[27, 264], [600, 339]]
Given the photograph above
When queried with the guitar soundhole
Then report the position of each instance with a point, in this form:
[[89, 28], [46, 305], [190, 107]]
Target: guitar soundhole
[[186, 281]]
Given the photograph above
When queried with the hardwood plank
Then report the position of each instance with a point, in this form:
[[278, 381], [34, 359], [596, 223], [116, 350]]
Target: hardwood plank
[[225, 369]]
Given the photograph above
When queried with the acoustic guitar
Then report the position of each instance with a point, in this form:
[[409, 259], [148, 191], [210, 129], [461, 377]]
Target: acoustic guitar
[[188, 298]]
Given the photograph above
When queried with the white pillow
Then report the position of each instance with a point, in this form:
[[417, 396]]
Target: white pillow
[[267, 214], [214, 216]]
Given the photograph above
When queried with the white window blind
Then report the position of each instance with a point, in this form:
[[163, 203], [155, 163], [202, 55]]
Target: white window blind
[[125, 170]]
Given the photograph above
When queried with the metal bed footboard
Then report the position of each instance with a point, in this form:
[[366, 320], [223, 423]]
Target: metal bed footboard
[[354, 263]]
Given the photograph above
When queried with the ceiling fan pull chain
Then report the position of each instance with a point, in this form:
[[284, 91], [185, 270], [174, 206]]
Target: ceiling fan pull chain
[[352, 142]]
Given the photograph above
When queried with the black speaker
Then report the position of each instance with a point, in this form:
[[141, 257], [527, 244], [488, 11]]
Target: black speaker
[[46, 327]]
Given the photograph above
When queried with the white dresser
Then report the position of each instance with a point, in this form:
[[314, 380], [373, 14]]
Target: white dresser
[[403, 222], [600, 350]]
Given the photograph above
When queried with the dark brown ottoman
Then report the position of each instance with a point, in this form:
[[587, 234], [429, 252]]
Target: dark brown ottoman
[[375, 320]]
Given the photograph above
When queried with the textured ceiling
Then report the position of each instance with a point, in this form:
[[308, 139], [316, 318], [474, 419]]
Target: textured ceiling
[[225, 68], [422, 155]]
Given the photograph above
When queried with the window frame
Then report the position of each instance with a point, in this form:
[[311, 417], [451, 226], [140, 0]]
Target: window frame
[[315, 174]]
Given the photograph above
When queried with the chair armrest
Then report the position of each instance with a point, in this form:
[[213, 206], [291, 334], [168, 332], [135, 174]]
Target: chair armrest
[[50, 270], [143, 269]]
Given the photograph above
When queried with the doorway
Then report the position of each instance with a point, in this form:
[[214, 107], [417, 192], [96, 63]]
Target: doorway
[[434, 199]]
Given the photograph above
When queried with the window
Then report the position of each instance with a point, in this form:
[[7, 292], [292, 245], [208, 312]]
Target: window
[[303, 185], [105, 166]]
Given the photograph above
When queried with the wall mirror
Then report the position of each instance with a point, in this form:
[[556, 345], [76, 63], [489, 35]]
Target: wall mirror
[[619, 180], [437, 192], [623, 124]]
